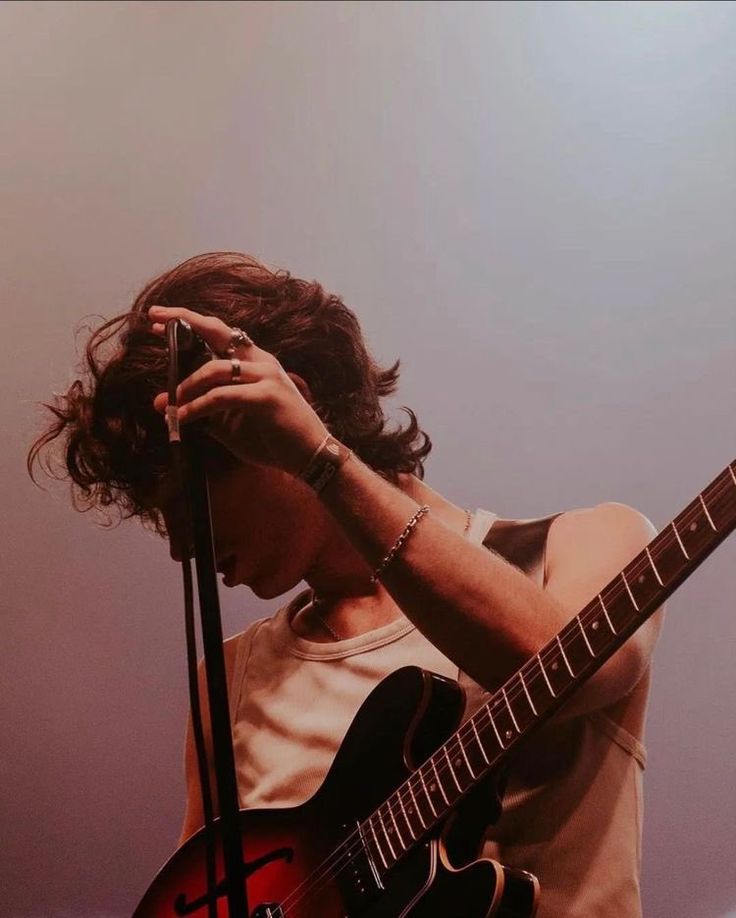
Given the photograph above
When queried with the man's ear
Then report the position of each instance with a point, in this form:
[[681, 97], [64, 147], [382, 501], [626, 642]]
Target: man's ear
[[302, 386]]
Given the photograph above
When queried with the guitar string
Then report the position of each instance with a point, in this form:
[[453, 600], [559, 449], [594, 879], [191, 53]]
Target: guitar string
[[388, 805], [353, 844]]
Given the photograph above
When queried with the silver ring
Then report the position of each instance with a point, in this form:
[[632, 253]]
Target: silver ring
[[234, 370], [238, 338]]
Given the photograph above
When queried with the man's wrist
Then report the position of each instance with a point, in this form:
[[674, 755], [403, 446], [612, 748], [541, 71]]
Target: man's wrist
[[324, 463]]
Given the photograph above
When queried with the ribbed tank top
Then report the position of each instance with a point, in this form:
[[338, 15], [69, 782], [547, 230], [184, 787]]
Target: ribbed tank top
[[572, 809]]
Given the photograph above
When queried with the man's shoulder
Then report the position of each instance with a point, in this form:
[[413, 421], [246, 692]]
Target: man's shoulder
[[232, 645], [588, 547], [569, 538], [608, 527], [571, 522]]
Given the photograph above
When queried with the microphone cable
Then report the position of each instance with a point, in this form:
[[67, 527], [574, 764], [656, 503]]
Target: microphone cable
[[181, 340]]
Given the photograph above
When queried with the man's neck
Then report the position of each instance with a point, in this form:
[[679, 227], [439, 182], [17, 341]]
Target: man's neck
[[348, 603]]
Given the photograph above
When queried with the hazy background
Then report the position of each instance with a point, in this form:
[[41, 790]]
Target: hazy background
[[531, 203]]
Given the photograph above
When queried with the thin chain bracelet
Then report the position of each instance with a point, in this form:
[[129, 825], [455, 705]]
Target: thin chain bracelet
[[396, 547]]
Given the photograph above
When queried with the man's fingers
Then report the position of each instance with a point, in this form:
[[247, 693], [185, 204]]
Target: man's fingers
[[218, 373], [213, 330], [221, 398]]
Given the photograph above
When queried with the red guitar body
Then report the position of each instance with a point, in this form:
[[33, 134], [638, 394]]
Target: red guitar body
[[310, 861]]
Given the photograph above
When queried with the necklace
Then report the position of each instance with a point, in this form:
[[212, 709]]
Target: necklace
[[316, 601]]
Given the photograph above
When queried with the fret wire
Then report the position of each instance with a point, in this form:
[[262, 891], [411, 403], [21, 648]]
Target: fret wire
[[564, 656], [385, 832], [506, 699], [465, 755], [493, 724], [628, 590], [480, 744], [529, 697], [378, 847], [654, 566], [546, 677], [585, 636], [406, 818], [415, 804], [439, 783], [710, 520], [426, 792], [452, 770], [733, 474], [396, 825], [679, 540], [605, 612]]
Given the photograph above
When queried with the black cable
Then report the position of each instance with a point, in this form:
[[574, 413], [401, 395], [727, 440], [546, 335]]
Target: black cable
[[177, 468]]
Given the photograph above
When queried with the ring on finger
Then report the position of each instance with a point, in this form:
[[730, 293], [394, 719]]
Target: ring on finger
[[238, 338], [234, 370]]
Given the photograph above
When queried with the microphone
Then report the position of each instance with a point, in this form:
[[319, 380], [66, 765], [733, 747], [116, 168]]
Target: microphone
[[187, 351]]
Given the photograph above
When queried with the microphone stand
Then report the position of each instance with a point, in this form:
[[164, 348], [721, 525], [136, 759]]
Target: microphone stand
[[182, 343]]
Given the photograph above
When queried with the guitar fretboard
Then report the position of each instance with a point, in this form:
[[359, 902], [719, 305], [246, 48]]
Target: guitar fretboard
[[542, 685]]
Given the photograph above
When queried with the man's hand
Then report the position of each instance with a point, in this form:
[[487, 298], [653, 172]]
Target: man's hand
[[257, 410]]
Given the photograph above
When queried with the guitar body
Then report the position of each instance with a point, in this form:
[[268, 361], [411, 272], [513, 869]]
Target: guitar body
[[310, 862]]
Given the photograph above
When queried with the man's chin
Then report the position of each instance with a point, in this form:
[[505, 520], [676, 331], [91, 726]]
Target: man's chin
[[268, 588]]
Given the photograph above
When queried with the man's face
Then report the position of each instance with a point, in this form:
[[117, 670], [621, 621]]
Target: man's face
[[268, 527]]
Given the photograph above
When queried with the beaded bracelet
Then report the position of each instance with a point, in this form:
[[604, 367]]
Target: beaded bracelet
[[325, 461], [396, 547]]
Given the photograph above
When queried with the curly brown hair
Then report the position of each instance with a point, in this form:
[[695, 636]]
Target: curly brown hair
[[116, 446]]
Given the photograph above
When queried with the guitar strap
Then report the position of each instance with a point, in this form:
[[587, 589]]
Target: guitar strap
[[522, 543]]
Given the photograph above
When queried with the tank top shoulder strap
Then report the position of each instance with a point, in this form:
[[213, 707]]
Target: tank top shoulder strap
[[522, 543]]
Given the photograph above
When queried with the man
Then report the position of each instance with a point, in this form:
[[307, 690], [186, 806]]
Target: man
[[309, 483]]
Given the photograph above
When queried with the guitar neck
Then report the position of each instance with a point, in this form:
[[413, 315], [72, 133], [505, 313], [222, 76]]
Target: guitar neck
[[545, 682]]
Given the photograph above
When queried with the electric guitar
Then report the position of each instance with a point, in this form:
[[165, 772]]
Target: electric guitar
[[394, 830]]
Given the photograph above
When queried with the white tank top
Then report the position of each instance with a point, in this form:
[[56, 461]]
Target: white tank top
[[572, 810]]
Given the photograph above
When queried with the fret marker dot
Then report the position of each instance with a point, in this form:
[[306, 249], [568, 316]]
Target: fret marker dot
[[555, 665], [458, 762], [693, 527], [641, 578], [509, 734], [433, 787], [595, 626]]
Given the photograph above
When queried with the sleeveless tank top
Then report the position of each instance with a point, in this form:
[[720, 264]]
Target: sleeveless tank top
[[572, 808]]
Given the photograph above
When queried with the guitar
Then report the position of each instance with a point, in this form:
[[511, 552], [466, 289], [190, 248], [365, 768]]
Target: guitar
[[394, 828]]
